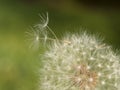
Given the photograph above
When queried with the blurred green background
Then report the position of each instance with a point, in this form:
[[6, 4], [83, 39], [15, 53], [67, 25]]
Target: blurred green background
[[18, 64]]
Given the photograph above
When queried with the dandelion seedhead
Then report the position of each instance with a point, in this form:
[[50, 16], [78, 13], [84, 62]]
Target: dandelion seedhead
[[76, 62], [85, 63]]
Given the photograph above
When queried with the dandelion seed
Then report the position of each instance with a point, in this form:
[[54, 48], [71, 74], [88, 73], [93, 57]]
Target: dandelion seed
[[103, 82], [87, 87], [91, 79], [102, 56], [99, 65], [109, 76], [88, 67], [108, 66], [99, 74], [91, 58], [79, 67], [83, 53], [115, 84], [40, 33]]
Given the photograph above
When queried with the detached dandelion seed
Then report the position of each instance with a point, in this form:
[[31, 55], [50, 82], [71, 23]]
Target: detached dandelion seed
[[39, 34]]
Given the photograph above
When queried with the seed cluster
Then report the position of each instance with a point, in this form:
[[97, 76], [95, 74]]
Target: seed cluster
[[84, 78], [80, 62]]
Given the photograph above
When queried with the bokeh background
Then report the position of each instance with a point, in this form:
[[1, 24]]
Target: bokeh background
[[19, 65]]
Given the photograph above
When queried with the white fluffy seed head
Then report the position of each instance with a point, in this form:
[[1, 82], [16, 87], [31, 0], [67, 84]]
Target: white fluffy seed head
[[99, 64], [76, 62]]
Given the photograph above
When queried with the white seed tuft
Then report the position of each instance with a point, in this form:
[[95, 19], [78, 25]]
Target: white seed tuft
[[93, 66], [76, 62]]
